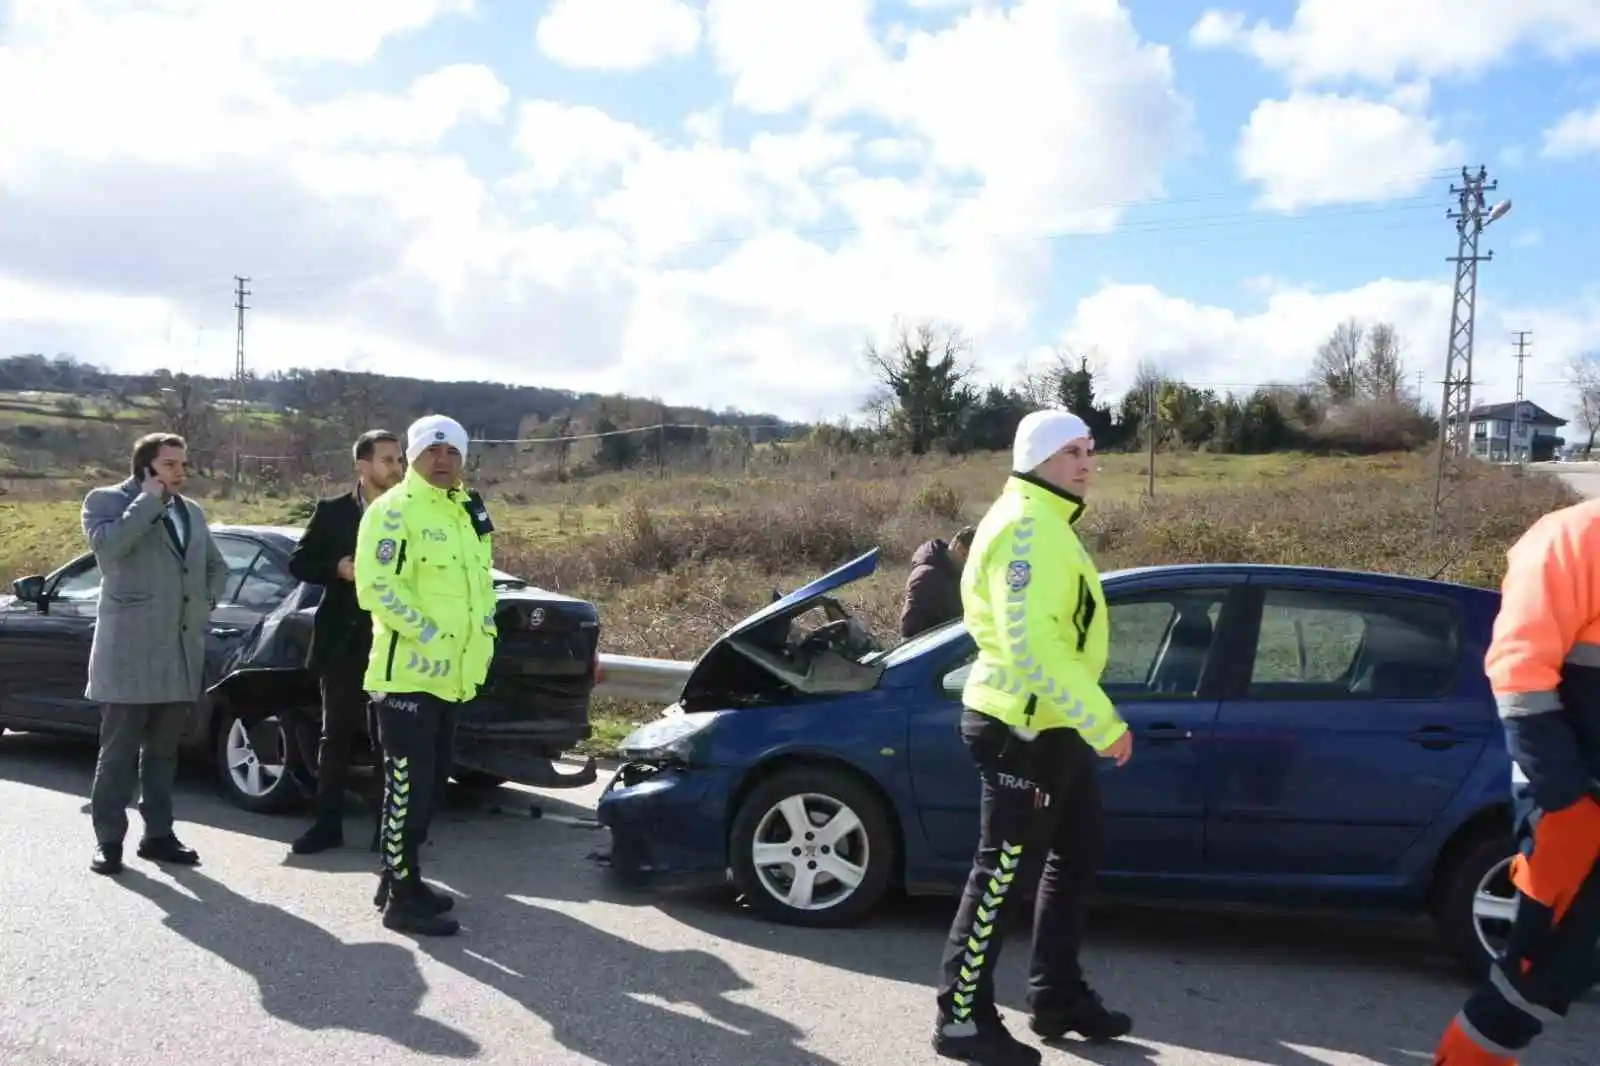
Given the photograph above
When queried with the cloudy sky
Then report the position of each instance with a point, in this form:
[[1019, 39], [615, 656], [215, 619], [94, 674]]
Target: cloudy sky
[[715, 201]]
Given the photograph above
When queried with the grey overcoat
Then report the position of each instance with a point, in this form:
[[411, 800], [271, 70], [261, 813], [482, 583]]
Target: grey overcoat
[[155, 601]]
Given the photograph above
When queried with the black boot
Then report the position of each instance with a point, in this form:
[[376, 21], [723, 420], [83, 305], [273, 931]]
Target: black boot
[[405, 911], [1087, 1016], [107, 859], [435, 901], [325, 833], [985, 1041]]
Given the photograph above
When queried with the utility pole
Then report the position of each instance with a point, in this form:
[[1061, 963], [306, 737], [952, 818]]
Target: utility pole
[[1455, 431], [1516, 410], [240, 292], [1419, 388], [1150, 419]]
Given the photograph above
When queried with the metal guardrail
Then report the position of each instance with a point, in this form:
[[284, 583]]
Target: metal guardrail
[[641, 680]]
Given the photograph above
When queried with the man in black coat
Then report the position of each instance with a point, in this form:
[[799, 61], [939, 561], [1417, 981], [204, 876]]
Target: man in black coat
[[342, 637], [933, 591]]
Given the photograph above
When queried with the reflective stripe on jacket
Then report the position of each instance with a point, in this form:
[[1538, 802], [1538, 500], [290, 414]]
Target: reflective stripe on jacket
[[423, 573], [1543, 662], [1032, 601]]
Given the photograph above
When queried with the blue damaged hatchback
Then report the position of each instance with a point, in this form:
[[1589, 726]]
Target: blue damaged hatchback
[[1302, 736]]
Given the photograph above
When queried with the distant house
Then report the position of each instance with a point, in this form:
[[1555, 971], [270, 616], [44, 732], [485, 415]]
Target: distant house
[[1500, 433]]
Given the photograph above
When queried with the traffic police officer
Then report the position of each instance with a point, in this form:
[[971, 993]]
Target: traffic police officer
[[422, 569], [1543, 664], [1035, 718]]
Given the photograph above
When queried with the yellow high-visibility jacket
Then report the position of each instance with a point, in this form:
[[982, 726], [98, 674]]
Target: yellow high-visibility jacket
[[1032, 601], [423, 572]]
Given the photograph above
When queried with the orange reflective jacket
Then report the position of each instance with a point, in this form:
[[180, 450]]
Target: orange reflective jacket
[[1544, 660]]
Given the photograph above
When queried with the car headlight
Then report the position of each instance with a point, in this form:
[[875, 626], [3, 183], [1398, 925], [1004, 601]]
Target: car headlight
[[670, 737]]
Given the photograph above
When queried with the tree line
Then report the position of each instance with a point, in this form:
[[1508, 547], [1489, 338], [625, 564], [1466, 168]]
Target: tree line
[[926, 398]]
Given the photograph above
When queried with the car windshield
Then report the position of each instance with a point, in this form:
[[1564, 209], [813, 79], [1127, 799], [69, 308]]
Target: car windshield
[[911, 647]]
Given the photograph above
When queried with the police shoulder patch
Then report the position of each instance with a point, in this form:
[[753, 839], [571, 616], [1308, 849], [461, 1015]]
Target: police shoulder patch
[[386, 548], [1018, 574]]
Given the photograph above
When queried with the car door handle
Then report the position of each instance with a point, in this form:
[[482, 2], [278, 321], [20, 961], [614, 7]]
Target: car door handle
[[225, 631], [1166, 731], [1435, 737]]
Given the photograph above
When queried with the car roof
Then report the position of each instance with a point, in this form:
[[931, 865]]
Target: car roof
[[936, 638], [1375, 578]]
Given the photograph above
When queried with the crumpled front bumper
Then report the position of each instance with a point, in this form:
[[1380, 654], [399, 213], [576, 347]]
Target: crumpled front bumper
[[667, 824]]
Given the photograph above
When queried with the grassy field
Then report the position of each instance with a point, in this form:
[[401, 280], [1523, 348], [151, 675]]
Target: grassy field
[[672, 562]]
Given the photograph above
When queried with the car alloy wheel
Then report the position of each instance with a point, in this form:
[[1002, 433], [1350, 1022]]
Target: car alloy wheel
[[256, 774], [810, 852], [1494, 907]]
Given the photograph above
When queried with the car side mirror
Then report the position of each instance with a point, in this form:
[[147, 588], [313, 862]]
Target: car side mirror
[[29, 589]]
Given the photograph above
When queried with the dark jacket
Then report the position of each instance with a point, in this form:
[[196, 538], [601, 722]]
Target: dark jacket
[[933, 591], [343, 631]]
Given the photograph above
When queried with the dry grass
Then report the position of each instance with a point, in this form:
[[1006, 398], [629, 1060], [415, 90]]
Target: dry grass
[[673, 562]]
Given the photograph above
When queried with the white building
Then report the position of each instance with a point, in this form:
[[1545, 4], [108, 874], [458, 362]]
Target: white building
[[1502, 433]]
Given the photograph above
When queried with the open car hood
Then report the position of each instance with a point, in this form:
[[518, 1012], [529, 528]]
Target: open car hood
[[768, 658]]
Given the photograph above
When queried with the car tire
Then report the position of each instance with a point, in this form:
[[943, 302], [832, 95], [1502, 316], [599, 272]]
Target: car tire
[[869, 845], [1478, 869], [1481, 865], [262, 783]]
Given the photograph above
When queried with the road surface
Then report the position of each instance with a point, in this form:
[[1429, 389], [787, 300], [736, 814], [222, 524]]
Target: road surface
[[257, 957], [1584, 478]]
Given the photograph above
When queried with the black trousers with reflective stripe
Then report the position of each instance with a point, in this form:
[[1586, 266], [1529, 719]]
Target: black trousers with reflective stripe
[[1039, 817], [417, 734], [1548, 965]]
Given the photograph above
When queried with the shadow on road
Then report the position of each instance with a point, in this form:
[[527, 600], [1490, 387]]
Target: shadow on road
[[66, 765], [1348, 987], [303, 971], [606, 997]]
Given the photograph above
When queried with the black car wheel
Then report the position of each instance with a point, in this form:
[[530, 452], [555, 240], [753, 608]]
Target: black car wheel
[[1477, 903], [812, 846], [257, 765]]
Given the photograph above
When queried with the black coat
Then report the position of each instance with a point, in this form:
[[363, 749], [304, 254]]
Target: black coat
[[343, 631]]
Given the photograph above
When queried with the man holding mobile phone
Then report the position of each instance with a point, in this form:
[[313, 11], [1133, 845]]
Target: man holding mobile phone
[[161, 575]]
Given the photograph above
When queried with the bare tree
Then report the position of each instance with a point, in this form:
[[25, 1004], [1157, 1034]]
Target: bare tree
[[1337, 369], [1382, 373], [1583, 384], [185, 409]]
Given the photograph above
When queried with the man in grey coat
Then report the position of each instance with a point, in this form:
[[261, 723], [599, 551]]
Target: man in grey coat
[[161, 575]]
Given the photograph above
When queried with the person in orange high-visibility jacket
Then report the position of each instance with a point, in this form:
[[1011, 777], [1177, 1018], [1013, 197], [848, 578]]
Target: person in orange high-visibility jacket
[[1544, 666]]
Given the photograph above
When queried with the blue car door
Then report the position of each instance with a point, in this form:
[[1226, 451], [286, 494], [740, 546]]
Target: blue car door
[[1162, 675], [1353, 726]]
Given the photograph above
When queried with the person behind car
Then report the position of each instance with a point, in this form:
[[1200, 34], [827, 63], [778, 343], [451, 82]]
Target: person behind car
[[933, 590], [1543, 664], [161, 575], [1034, 719], [341, 639], [422, 568]]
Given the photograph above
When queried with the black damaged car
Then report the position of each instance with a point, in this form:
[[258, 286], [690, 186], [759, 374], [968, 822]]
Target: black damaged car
[[259, 719]]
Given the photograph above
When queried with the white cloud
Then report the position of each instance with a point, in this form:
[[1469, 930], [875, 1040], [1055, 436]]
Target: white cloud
[[1384, 42], [617, 35], [1235, 350], [1576, 133], [781, 53], [738, 256], [1322, 148]]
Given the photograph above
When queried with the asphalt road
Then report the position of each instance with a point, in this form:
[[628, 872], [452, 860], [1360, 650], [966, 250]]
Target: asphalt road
[[258, 957], [1584, 478]]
